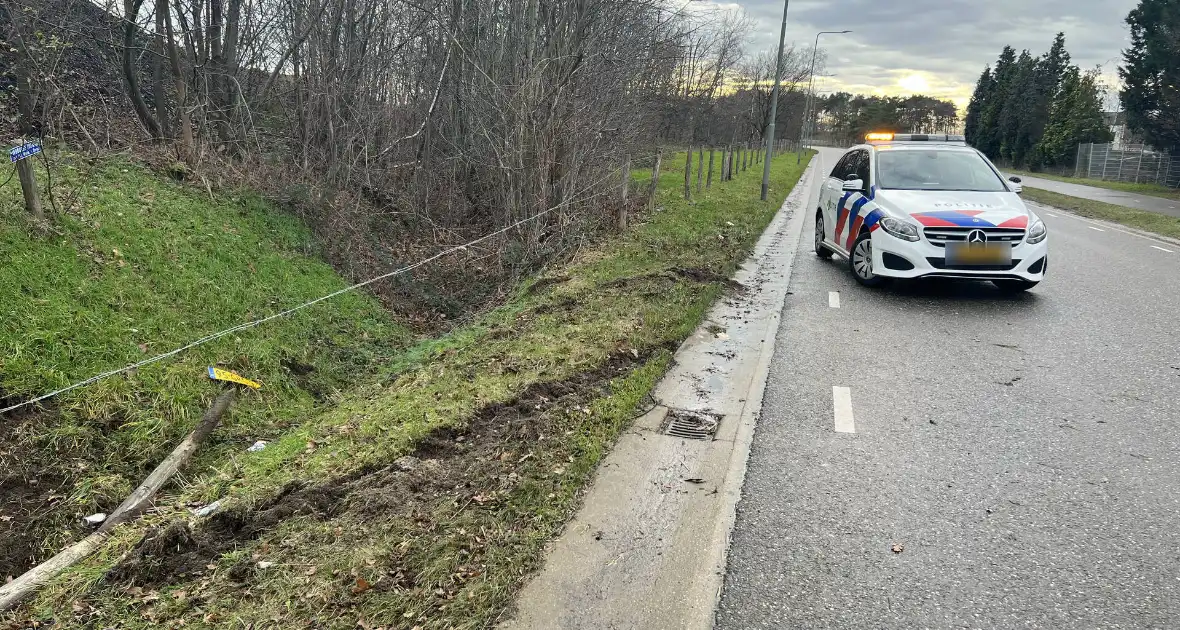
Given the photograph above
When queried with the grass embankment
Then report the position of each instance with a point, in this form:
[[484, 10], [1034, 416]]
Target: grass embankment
[[137, 266], [426, 497], [1153, 190], [1161, 224]]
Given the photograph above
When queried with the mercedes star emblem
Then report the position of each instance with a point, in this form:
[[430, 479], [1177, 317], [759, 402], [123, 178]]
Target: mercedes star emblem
[[976, 236]]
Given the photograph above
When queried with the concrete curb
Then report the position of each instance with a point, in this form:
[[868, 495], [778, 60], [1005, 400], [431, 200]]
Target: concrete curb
[[710, 584], [648, 547]]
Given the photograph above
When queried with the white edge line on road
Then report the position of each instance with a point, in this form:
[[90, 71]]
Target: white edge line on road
[[834, 299], [1095, 228], [1163, 249], [842, 404]]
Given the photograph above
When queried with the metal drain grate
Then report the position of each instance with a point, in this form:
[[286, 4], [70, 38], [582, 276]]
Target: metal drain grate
[[691, 425]]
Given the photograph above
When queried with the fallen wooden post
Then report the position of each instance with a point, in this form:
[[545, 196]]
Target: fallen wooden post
[[32, 580]]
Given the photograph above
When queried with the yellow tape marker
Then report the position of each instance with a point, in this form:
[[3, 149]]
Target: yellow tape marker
[[219, 374]]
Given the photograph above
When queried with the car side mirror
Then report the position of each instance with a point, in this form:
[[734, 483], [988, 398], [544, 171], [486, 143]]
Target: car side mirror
[[854, 185], [1014, 179], [1017, 188]]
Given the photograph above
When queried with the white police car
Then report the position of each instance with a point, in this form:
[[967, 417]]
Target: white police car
[[928, 206]]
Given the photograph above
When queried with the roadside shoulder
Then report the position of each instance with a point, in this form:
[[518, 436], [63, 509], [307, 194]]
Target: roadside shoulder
[[1141, 223], [648, 547]]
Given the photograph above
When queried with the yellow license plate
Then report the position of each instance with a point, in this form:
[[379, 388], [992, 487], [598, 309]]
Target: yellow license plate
[[963, 254]]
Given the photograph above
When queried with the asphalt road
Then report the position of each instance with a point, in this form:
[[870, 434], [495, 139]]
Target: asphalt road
[[1024, 453], [1119, 198]]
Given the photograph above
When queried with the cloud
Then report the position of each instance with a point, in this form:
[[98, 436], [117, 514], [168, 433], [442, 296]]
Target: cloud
[[939, 47]]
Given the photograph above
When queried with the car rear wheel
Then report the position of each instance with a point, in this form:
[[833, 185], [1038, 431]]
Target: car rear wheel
[[1014, 286], [860, 261], [821, 250]]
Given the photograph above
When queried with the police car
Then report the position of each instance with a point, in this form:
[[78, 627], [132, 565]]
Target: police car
[[928, 206]]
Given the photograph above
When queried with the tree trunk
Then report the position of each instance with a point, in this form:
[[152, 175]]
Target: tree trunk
[[130, 11], [187, 150], [25, 102], [229, 67], [159, 96]]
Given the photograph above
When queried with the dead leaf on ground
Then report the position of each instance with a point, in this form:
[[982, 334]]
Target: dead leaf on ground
[[898, 548], [362, 585]]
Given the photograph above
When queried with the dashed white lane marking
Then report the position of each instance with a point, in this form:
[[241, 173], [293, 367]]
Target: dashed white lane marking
[[1075, 217], [834, 299], [1051, 215], [1095, 229], [842, 403], [1163, 249]]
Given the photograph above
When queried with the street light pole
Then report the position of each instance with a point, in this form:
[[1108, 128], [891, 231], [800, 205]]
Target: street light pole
[[778, 70], [808, 121]]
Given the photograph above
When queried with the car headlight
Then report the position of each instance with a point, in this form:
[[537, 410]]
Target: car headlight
[[1037, 232], [900, 229]]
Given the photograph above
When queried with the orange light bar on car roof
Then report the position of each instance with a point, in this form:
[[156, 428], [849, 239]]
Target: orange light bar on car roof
[[879, 136]]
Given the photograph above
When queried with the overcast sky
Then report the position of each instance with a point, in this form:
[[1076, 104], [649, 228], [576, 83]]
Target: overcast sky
[[937, 47]]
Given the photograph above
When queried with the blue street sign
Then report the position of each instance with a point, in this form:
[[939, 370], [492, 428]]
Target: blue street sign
[[17, 154]]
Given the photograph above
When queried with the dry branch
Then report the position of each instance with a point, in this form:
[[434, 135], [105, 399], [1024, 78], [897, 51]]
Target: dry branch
[[32, 580]]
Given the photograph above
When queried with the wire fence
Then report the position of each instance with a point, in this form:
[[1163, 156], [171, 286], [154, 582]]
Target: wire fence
[[733, 164], [1136, 163]]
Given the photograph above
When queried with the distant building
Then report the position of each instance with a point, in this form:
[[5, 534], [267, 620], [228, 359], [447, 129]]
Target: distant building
[[1117, 123]]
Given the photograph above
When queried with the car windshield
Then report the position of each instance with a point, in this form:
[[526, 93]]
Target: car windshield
[[932, 169]]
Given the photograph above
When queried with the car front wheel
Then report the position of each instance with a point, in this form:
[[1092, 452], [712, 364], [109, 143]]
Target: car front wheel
[[860, 261], [821, 250]]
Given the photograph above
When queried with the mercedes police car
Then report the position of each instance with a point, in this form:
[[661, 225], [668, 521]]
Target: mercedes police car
[[928, 206]]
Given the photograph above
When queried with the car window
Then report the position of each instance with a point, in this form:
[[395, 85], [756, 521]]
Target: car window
[[933, 169], [862, 167], [842, 166]]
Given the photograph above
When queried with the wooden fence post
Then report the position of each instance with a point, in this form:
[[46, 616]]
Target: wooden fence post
[[626, 186], [28, 186], [709, 179], [700, 166], [688, 174], [655, 180], [745, 157]]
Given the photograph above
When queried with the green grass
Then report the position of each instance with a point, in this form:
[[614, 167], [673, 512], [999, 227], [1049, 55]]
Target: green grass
[[137, 266], [1161, 224], [455, 563], [1152, 190]]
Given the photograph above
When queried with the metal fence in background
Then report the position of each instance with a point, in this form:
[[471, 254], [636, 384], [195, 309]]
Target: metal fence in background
[[1136, 163]]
